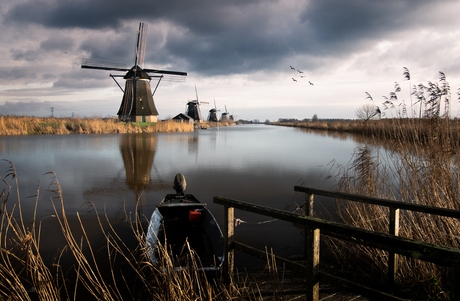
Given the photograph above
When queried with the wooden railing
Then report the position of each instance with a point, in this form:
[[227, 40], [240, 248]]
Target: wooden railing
[[390, 242]]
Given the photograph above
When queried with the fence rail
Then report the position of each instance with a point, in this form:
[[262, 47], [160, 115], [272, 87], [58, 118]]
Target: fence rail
[[390, 242]]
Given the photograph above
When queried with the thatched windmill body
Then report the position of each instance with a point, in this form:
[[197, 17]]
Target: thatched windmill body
[[213, 114], [137, 103], [225, 115], [193, 108]]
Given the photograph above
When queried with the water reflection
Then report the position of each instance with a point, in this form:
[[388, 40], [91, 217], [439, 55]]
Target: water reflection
[[127, 172], [138, 153]]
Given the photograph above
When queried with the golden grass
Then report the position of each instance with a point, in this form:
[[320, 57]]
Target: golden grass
[[23, 125], [417, 131], [25, 276], [427, 172]]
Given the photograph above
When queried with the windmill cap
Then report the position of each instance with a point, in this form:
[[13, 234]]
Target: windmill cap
[[140, 73]]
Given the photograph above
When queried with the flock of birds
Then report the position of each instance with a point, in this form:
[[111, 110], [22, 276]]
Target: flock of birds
[[301, 76]]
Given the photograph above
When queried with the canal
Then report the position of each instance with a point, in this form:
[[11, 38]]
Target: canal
[[111, 175]]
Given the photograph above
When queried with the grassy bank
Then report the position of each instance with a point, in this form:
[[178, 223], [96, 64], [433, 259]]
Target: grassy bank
[[22, 125]]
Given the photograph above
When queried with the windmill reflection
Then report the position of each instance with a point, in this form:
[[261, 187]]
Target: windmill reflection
[[138, 152]]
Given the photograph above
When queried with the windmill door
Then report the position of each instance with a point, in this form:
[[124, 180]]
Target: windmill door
[[143, 118]]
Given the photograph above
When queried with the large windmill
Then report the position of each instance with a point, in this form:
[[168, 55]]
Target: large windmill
[[193, 108], [137, 103]]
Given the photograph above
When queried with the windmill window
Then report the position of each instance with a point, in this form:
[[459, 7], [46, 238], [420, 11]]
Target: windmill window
[[142, 108]]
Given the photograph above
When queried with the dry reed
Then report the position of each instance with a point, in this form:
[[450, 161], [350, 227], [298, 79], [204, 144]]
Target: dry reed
[[427, 172], [25, 276], [23, 125]]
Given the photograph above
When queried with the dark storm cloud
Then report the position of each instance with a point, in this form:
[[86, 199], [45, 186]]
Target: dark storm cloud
[[224, 37], [30, 108], [57, 43], [83, 79], [24, 55], [335, 23], [17, 73]]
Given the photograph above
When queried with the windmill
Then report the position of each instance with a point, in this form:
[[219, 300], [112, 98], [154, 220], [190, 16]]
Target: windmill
[[193, 108], [225, 115], [137, 103], [213, 114]]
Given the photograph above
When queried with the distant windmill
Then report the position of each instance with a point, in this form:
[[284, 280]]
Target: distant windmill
[[213, 114], [137, 103], [225, 115], [193, 108]]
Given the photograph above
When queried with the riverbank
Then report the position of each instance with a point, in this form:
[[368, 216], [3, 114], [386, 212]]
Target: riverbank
[[23, 125], [417, 131], [422, 168]]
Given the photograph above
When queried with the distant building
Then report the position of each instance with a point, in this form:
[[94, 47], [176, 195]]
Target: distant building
[[181, 117]]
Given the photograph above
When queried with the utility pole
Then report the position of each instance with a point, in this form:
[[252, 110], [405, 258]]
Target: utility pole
[[52, 111]]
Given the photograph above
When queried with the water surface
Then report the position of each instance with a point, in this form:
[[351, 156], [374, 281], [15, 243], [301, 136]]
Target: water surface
[[132, 172]]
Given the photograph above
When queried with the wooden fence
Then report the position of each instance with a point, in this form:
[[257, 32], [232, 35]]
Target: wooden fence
[[390, 242]]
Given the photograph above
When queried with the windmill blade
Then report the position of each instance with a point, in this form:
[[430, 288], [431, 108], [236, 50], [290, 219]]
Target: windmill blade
[[196, 93], [172, 78], [165, 72], [94, 64], [141, 42]]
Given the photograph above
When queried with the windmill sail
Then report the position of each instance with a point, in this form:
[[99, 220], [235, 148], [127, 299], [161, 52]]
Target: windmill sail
[[95, 64], [137, 102], [141, 43]]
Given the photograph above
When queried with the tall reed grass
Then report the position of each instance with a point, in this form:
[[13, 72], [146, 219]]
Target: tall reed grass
[[422, 167], [23, 125], [125, 274]]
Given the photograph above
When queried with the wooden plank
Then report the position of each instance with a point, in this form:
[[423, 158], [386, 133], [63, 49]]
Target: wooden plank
[[292, 265], [364, 290], [381, 202], [323, 276], [403, 246]]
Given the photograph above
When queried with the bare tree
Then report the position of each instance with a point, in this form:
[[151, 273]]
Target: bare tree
[[367, 112], [314, 118]]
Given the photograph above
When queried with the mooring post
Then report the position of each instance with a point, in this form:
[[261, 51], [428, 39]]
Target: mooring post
[[229, 231], [393, 257], [312, 237]]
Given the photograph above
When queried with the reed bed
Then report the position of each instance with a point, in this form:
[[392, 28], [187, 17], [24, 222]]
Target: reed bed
[[23, 125], [418, 131], [125, 273], [420, 169]]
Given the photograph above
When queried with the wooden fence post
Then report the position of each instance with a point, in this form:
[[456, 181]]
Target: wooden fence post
[[312, 239], [229, 231], [392, 257]]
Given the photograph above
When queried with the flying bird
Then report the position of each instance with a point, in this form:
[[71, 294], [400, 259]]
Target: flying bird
[[299, 71], [292, 68], [294, 79], [302, 76], [310, 83]]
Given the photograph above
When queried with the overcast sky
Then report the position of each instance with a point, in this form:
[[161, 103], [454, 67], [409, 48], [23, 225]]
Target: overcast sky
[[237, 52]]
